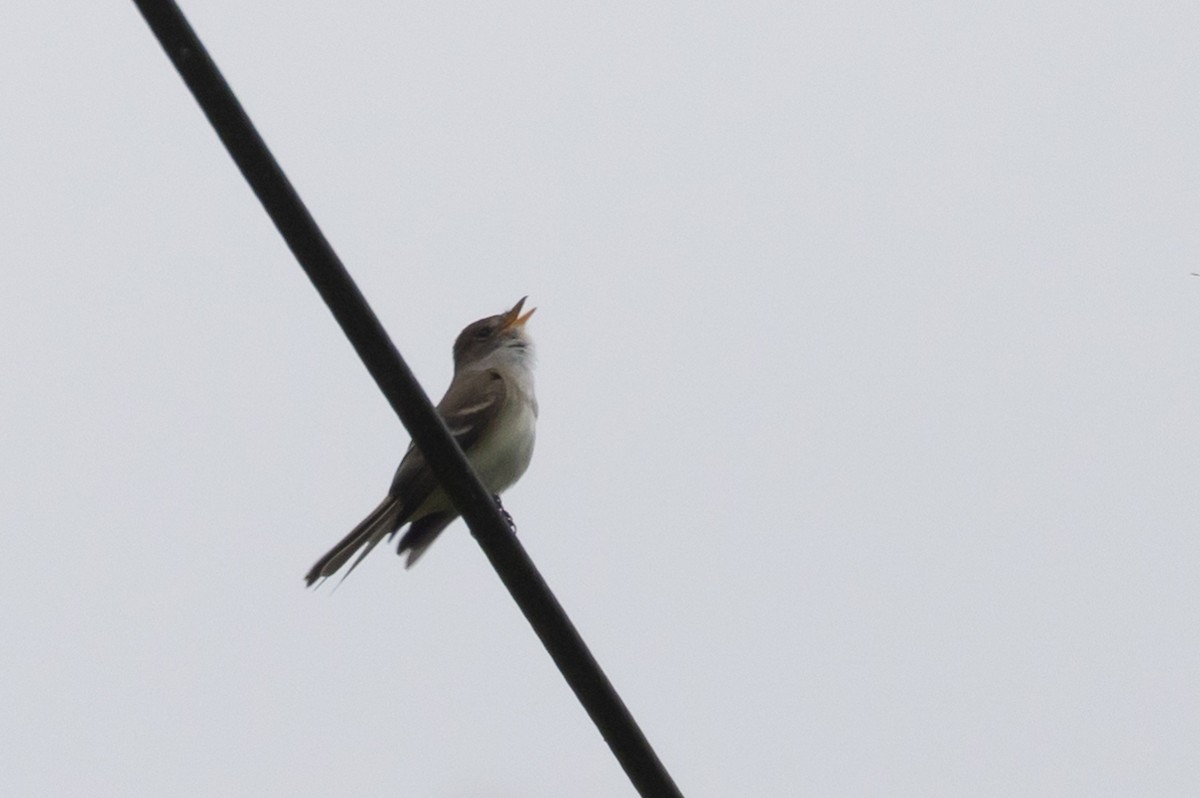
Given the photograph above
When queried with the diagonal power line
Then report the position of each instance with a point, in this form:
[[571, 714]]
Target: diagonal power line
[[406, 397]]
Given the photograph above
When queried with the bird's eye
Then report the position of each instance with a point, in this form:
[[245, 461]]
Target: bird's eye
[[482, 333]]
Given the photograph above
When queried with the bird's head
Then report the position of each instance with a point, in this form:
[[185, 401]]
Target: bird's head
[[486, 337]]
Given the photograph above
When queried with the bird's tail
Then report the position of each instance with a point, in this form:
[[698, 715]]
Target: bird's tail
[[383, 520], [421, 534]]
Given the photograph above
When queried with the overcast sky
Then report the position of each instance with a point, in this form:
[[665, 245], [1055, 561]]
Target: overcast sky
[[869, 451]]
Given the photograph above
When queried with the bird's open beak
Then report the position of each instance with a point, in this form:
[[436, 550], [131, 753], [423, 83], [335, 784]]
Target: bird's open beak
[[513, 318]]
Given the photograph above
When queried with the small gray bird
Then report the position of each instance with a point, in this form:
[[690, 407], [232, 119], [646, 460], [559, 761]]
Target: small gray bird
[[490, 410]]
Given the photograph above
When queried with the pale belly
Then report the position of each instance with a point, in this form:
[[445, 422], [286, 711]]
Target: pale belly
[[502, 458], [499, 459]]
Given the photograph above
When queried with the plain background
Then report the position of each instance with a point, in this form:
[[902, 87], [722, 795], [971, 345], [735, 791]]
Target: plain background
[[867, 461]]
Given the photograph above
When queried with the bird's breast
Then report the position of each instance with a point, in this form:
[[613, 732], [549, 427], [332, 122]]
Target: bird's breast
[[502, 456]]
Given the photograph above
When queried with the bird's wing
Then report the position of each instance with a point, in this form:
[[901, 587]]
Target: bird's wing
[[470, 408], [472, 405]]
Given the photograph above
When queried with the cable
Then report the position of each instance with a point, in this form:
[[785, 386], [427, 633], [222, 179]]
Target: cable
[[406, 397]]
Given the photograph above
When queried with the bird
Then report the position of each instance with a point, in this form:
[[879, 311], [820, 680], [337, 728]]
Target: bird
[[490, 409]]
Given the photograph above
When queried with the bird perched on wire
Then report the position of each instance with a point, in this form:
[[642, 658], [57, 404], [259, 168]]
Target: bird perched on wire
[[490, 409]]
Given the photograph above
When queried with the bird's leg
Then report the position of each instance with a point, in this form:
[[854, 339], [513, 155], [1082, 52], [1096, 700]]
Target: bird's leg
[[508, 519]]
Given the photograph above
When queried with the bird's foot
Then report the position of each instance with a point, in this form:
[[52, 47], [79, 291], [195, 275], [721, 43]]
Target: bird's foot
[[508, 519]]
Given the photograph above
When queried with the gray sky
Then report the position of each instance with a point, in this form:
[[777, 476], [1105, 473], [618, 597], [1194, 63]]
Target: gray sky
[[868, 454]]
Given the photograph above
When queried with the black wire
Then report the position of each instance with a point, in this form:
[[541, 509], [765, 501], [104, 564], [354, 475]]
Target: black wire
[[406, 397]]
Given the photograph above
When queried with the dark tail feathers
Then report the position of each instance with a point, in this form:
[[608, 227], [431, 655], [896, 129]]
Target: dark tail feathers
[[383, 520]]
